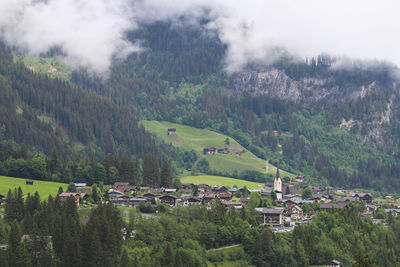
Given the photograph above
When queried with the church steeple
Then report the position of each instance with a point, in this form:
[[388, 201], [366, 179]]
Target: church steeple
[[277, 173]]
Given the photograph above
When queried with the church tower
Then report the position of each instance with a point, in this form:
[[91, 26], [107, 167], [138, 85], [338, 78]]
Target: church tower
[[278, 185]]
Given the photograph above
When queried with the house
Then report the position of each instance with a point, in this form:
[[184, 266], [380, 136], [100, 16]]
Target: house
[[225, 196], [203, 187], [333, 263], [271, 216], [122, 186], [112, 194], [394, 212], [64, 196], [171, 131], [329, 207], [299, 179], [187, 186], [209, 150], [224, 150], [150, 196], [219, 189], [190, 201], [239, 153], [207, 198], [365, 197], [266, 193], [244, 200], [391, 198], [168, 199], [29, 182], [294, 211]]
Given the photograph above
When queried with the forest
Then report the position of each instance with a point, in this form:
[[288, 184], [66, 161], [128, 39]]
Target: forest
[[53, 233]]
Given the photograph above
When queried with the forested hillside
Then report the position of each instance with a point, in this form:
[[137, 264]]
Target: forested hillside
[[337, 124]]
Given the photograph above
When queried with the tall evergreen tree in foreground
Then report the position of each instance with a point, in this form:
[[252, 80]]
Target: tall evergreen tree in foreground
[[166, 175]]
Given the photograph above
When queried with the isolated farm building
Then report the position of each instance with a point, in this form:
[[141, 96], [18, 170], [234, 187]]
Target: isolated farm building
[[209, 150], [171, 131], [223, 150], [29, 182], [271, 216], [168, 199]]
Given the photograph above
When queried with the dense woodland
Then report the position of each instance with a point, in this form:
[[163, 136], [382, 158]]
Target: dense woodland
[[183, 236]]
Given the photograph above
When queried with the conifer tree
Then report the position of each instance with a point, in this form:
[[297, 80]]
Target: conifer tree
[[125, 259], [166, 175], [150, 170]]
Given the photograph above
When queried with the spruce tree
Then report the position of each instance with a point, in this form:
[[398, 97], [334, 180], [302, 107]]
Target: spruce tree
[[166, 175], [125, 259]]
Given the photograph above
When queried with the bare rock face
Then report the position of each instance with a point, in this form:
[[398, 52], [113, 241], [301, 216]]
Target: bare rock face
[[307, 90]]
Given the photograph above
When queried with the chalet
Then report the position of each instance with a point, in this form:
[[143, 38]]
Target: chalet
[[224, 150], [171, 131], [122, 186], [183, 190], [207, 198], [365, 197], [333, 263], [329, 207], [29, 182], [266, 193], [112, 194], [290, 190], [394, 212], [219, 189], [203, 187], [391, 198], [168, 199], [225, 196], [150, 196], [157, 190], [190, 201], [271, 216], [371, 208], [209, 150], [144, 188], [64, 196], [269, 185], [294, 211], [299, 179], [136, 200]]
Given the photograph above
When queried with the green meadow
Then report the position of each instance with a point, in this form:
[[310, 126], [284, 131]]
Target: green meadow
[[190, 138], [44, 188], [219, 180]]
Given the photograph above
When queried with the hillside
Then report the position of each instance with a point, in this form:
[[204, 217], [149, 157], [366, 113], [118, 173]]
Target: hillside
[[44, 188], [218, 180], [190, 138]]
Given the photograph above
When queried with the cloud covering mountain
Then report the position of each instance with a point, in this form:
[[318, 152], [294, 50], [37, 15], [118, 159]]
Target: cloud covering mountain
[[91, 32]]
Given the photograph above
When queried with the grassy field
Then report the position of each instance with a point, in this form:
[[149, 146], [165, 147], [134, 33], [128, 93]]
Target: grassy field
[[190, 138], [219, 180], [53, 67], [43, 187]]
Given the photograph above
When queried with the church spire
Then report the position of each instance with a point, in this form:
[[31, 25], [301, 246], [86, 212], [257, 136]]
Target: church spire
[[277, 172]]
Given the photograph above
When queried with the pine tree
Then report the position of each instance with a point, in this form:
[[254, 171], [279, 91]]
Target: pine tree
[[60, 190], [125, 259], [54, 163], [166, 175], [150, 170]]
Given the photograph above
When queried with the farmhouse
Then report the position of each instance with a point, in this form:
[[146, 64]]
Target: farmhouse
[[171, 131], [168, 199], [203, 187], [224, 150], [64, 196], [225, 196], [209, 150], [271, 216]]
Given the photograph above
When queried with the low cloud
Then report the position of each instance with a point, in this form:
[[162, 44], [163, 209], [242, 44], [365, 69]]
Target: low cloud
[[91, 32]]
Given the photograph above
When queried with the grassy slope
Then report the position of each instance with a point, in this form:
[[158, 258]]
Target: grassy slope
[[53, 67], [44, 188], [190, 138], [219, 180]]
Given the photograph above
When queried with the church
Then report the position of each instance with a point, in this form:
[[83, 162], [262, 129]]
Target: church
[[278, 185]]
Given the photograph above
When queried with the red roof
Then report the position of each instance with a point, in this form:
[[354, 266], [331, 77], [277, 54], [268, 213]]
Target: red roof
[[227, 195]]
